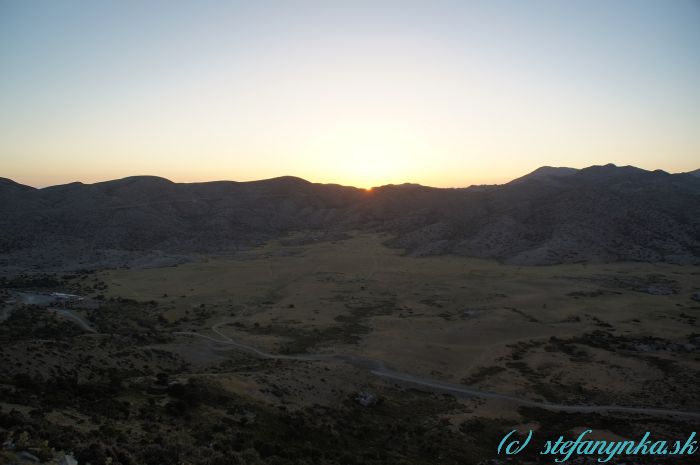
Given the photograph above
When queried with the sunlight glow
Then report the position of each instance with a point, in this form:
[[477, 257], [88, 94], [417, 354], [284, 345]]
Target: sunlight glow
[[360, 93]]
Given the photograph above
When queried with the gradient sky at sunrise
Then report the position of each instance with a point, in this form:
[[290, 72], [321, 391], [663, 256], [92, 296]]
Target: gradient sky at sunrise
[[354, 92]]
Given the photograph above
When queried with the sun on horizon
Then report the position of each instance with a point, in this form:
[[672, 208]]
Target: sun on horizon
[[444, 93]]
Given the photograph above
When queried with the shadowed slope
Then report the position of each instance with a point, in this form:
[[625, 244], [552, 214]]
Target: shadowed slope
[[553, 215]]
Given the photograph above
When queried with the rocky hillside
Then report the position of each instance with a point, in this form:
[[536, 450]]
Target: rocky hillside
[[601, 213], [553, 215]]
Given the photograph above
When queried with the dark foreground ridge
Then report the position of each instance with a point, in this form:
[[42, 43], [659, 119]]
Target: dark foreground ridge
[[553, 215]]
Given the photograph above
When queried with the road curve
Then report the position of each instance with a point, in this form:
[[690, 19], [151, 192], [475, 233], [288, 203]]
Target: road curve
[[378, 368], [75, 318]]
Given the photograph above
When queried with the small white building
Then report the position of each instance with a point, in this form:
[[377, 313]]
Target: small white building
[[62, 296]]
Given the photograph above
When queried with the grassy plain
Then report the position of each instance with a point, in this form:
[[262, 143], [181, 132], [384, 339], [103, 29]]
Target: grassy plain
[[137, 390], [569, 333]]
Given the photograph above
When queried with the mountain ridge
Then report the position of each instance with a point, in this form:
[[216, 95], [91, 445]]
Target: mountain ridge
[[600, 213], [541, 172]]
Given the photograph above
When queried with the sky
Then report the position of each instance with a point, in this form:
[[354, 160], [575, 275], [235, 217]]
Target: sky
[[363, 93]]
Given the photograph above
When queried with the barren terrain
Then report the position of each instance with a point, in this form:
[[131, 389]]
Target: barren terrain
[[352, 335]]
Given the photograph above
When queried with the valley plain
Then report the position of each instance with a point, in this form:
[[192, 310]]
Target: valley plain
[[236, 357]]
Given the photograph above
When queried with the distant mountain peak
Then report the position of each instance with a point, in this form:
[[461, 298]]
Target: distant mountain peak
[[142, 178], [554, 170], [611, 171], [8, 182], [286, 179], [544, 172]]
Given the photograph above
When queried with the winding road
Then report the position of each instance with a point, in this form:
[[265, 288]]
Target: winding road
[[74, 318], [378, 368]]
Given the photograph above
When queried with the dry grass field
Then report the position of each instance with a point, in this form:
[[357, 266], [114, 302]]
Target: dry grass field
[[164, 365], [571, 333]]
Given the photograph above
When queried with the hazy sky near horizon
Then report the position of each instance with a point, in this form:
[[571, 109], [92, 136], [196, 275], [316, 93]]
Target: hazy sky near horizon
[[444, 93]]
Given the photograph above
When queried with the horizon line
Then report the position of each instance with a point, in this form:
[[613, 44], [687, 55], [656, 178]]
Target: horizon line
[[39, 187]]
